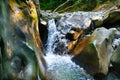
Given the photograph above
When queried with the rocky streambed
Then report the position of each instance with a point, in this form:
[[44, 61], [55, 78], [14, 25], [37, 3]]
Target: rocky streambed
[[93, 40], [62, 46]]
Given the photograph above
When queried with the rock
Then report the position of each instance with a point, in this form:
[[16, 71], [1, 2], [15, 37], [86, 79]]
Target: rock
[[112, 19], [88, 59], [75, 20], [74, 34], [108, 17], [115, 60], [111, 76], [103, 44], [73, 26], [99, 56], [116, 43], [65, 29], [87, 21]]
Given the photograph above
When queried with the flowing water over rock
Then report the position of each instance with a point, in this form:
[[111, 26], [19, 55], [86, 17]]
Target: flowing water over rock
[[60, 66]]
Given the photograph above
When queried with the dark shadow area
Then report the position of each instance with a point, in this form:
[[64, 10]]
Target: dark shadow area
[[83, 61], [112, 21], [43, 34]]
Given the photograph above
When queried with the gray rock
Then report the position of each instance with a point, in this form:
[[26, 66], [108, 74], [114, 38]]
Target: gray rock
[[115, 59], [99, 56]]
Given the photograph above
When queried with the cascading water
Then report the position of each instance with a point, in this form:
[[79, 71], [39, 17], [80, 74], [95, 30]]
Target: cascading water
[[60, 66], [56, 41]]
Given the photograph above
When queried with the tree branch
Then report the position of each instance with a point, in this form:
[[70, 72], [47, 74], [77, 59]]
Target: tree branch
[[61, 5], [69, 7]]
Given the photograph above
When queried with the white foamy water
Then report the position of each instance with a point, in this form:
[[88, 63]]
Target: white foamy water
[[60, 67]]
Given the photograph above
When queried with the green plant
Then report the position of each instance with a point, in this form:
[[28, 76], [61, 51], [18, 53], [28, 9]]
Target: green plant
[[101, 1]]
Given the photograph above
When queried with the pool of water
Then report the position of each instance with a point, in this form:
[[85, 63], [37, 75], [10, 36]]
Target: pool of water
[[62, 68]]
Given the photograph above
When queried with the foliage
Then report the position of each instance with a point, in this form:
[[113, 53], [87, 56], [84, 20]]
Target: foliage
[[50, 4], [101, 1], [86, 5]]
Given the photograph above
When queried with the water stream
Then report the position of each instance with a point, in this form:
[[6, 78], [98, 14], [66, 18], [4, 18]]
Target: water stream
[[60, 66]]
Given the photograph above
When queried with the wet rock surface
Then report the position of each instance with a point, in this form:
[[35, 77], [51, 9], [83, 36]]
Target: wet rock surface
[[74, 27]]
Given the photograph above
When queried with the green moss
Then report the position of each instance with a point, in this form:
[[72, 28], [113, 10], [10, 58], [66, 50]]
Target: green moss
[[91, 45]]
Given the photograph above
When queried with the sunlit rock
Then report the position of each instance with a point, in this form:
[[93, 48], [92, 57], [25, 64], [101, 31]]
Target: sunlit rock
[[73, 37], [79, 45], [98, 54], [103, 42], [74, 21], [76, 33]]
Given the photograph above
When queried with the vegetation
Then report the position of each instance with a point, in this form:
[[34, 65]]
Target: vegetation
[[50, 4], [73, 5]]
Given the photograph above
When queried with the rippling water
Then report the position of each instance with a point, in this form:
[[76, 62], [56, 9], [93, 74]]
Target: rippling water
[[60, 66]]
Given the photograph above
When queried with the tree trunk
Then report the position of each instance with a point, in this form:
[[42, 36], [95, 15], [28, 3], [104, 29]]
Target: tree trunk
[[21, 51]]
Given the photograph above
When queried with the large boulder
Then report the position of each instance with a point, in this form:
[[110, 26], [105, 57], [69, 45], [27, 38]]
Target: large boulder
[[95, 58]]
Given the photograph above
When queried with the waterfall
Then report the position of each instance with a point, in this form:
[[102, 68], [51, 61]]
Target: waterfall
[[56, 43], [60, 66], [51, 33]]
